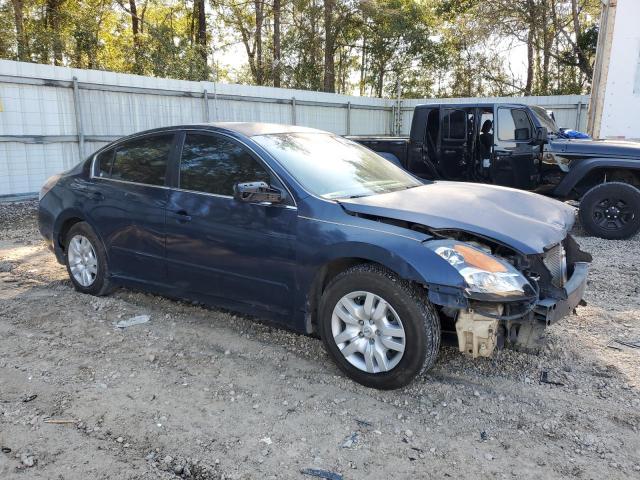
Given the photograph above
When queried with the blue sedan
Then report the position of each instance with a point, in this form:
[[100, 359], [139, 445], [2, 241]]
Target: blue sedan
[[320, 235]]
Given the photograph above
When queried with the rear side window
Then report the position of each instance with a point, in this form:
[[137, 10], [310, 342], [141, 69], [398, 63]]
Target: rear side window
[[104, 160], [513, 124], [214, 164], [143, 160], [453, 124]]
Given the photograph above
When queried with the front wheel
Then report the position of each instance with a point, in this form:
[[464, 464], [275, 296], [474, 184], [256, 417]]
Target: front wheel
[[379, 329], [611, 210]]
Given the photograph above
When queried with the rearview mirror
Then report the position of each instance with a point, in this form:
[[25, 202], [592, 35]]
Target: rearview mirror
[[256, 192], [541, 135]]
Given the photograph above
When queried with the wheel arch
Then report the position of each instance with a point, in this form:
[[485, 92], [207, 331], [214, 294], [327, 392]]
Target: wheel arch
[[421, 266], [590, 172]]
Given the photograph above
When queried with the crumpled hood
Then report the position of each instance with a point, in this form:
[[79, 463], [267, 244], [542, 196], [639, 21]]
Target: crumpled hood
[[522, 220], [597, 148]]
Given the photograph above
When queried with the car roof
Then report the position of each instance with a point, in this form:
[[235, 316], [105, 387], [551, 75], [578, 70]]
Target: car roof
[[248, 129], [469, 104]]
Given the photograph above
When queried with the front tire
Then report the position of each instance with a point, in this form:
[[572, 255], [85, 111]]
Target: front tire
[[611, 210], [379, 329], [86, 260]]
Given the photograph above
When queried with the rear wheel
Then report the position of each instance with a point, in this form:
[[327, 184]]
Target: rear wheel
[[611, 210], [86, 260], [379, 329]]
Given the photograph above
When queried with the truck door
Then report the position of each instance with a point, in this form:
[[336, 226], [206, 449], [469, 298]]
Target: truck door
[[453, 143], [515, 155]]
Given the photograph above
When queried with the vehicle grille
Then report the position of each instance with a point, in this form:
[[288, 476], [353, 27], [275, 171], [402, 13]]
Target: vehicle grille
[[556, 262]]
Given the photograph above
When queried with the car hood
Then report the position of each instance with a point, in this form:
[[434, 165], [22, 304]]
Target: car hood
[[597, 148], [524, 221]]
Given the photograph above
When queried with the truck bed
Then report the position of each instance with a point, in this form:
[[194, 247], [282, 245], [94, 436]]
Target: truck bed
[[392, 148]]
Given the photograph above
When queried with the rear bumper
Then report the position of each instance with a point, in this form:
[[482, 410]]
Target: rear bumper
[[550, 310]]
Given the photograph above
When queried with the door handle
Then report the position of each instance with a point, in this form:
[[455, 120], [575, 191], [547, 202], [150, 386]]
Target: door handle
[[182, 216], [449, 152], [97, 196]]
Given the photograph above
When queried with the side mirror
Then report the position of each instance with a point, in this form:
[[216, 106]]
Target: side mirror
[[256, 192], [541, 135]]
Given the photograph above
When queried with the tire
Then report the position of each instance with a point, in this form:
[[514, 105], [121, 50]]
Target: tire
[[611, 210], [84, 255], [416, 316]]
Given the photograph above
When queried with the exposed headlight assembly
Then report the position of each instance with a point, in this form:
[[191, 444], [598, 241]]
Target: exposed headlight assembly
[[486, 276]]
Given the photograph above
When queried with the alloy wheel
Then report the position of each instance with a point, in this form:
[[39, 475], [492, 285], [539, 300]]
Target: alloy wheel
[[83, 261], [368, 332]]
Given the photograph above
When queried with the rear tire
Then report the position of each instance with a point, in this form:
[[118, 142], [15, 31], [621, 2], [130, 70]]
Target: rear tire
[[404, 306], [86, 260], [611, 210]]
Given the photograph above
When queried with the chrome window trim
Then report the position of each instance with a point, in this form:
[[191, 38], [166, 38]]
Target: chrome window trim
[[264, 204]]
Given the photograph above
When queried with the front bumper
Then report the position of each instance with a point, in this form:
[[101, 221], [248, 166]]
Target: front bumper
[[550, 310]]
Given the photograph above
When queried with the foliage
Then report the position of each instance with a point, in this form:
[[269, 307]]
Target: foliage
[[430, 48]]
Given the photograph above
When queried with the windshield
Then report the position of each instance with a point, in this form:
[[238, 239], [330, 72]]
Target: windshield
[[545, 120], [330, 166]]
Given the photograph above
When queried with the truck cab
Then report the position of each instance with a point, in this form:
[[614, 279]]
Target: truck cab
[[520, 146]]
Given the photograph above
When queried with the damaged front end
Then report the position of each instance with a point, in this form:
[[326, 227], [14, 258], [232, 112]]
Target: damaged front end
[[510, 298]]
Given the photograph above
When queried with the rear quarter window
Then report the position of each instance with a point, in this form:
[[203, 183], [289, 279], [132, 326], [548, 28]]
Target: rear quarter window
[[103, 163]]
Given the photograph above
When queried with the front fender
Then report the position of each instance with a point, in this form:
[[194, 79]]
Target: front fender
[[581, 168]]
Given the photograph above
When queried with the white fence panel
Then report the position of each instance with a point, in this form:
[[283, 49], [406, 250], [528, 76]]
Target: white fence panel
[[45, 121]]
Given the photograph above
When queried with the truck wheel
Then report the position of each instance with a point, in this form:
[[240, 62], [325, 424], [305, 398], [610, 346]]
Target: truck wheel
[[379, 329], [611, 210]]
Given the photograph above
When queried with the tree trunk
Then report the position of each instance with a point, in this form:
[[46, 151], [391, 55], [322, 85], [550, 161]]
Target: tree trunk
[[547, 38], [530, 63], [135, 30], [329, 47], [53, 25], [583, 61], [276, 43], [259, 5], [18, 14], [201, 38], [363, 66]]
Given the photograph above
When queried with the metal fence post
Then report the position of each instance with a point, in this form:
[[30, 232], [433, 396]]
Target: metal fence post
[[578, 115], [205, 96], [348, 118], [293, 110], [78, 112]]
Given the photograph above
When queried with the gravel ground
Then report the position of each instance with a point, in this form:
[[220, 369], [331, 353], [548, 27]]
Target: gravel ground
[[201, 393]]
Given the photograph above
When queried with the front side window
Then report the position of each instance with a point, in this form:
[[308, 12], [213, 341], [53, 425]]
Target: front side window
[[143, 160], [214, 164], [333, 167], [513, 125]]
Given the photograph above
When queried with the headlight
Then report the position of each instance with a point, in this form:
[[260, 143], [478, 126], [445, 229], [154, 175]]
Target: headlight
[[48, 185], [484, 274]]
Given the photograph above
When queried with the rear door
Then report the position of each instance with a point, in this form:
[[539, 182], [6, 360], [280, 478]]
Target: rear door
[[127, 206], [243, 254], [452, 158]]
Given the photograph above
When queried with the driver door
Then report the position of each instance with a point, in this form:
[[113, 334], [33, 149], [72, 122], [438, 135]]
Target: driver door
[[237, 253], [515, 162]]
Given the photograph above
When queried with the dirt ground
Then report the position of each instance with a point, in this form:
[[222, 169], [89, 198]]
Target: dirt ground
[[200, 393]]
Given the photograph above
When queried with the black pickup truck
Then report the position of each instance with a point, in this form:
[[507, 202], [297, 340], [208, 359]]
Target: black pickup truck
[[521, 146]]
